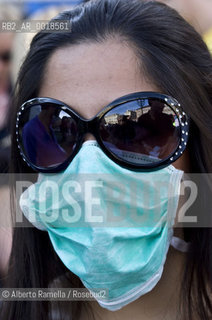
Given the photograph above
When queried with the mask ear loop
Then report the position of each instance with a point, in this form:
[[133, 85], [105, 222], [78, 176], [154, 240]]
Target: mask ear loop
[[180, 245]]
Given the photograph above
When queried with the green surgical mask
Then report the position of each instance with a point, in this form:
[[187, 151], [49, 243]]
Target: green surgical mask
[[110, 226]]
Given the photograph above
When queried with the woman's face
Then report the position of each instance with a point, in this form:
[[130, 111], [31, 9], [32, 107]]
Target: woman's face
[[89, 76]]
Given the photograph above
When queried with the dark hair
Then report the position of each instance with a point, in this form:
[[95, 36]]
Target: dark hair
[[173, 55]]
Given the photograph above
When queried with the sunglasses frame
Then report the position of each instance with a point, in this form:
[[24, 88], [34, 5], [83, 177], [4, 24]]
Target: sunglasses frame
[[92, 126]]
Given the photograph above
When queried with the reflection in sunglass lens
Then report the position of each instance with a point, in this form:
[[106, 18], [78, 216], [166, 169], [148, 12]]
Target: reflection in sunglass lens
[[48, 135], [141, 132]]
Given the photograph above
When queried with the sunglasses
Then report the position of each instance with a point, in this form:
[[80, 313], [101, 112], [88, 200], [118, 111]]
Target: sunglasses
[[142, 131], [5, 56]]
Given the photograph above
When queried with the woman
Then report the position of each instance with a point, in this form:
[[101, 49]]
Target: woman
[[123, 56]]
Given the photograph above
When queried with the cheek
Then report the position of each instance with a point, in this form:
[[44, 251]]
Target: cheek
[[183, 162]]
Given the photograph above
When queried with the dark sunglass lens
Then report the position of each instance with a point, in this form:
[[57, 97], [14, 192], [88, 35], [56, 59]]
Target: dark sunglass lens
[[47, 134], [141, 132]]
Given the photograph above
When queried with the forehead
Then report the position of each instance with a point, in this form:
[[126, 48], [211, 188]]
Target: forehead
[[88, 76]]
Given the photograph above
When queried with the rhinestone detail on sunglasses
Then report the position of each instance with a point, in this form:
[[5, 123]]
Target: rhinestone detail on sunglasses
[[93, 126]]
